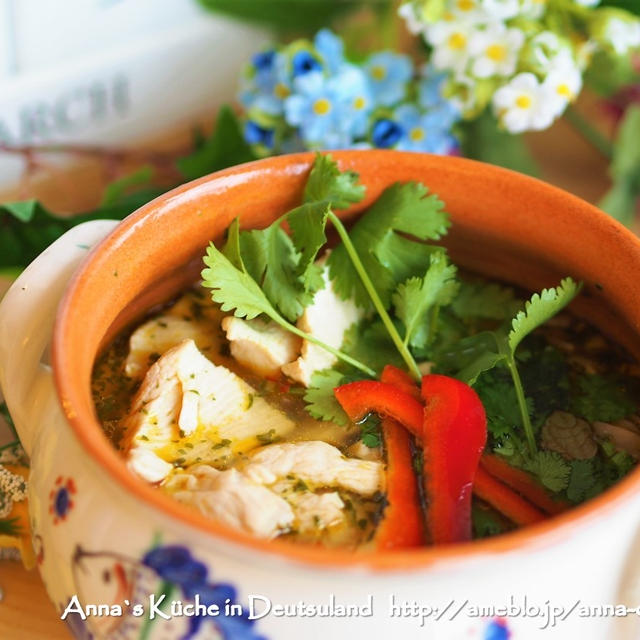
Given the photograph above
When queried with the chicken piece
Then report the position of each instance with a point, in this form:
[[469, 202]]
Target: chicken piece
[[232, 498], [185, 405], [189, 318], [327, 318], [261, 346], [316, 463], [316, 511]]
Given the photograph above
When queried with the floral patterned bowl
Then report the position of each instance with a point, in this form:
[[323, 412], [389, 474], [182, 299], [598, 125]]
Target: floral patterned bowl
[[118, 557]]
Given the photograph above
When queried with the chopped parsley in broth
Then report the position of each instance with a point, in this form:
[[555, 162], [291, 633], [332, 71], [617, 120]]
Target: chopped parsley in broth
[[322, 397]]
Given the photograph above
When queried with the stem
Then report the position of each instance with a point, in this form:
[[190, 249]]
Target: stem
[[589, 132], [522, 404], [338, 354], [375, 298]]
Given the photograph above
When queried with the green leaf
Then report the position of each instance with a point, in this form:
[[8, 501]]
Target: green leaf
[[320, 399], [401, 209], [470, 357], [369, 342], [326, 183], [307, 225], [600, 398], [621, 200], [582, 479], [118, 190], [482, 299], [632, 6], [28, 228], [415, 299], [224, 148], [483, 140], [10, 527], [232, 287], [540, 308], [285, 15], [486, 521], [552, 470]]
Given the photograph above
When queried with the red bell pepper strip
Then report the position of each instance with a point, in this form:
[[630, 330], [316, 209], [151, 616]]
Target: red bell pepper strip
[[402, 525], [453, 437], [365, 396], [504, 500], [400, 379], [523, 483]]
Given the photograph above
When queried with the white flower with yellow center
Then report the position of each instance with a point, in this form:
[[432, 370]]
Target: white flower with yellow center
[[563, 83], [622, 34], [521, 105], [470, 11], [494, 50], [450, 41], [501, 9], [532, 9], [411, 18]]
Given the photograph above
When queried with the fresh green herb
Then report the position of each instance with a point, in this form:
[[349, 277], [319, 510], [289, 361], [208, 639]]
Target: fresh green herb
[[418, 300], [551, 468], [582, 480], [379, 238], [371, 436], [485, 521], [604, 399], [477, 299], [320, 399], [538, 310], [268, 437]]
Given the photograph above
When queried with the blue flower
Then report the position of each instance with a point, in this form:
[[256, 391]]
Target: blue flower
[[331, 48], [266, 83], [386, 133], [430, 86], [304, 62], [388, 75], [357, 100], [423, 131], [256, 134], [317, 109]]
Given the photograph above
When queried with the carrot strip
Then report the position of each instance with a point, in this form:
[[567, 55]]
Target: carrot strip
[[523, 483], [506, 501]]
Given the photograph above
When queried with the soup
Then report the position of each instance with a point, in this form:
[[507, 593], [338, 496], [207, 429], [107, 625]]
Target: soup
[[367, 396]]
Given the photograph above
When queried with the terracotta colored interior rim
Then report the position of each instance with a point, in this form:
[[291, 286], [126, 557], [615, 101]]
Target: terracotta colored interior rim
[[74, 346]]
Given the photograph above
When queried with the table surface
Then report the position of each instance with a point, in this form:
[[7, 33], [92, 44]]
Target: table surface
[[568, 161]]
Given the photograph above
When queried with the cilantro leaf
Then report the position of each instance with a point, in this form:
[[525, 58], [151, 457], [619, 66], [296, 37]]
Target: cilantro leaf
[[551, 469], [401, 209], [371, 434], [369, 342], [582, 480], [321, 401], [326, 183], [307, 225], [232, 287], [469, 357], [604, 399], [485, 300], [540, 308], [486, 522], [415, 299]]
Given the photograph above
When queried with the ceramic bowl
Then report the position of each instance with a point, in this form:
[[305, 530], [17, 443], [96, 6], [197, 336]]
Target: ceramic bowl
[[104, 537]]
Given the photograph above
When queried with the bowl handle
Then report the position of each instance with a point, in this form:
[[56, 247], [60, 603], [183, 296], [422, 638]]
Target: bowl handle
[[27, 314]]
